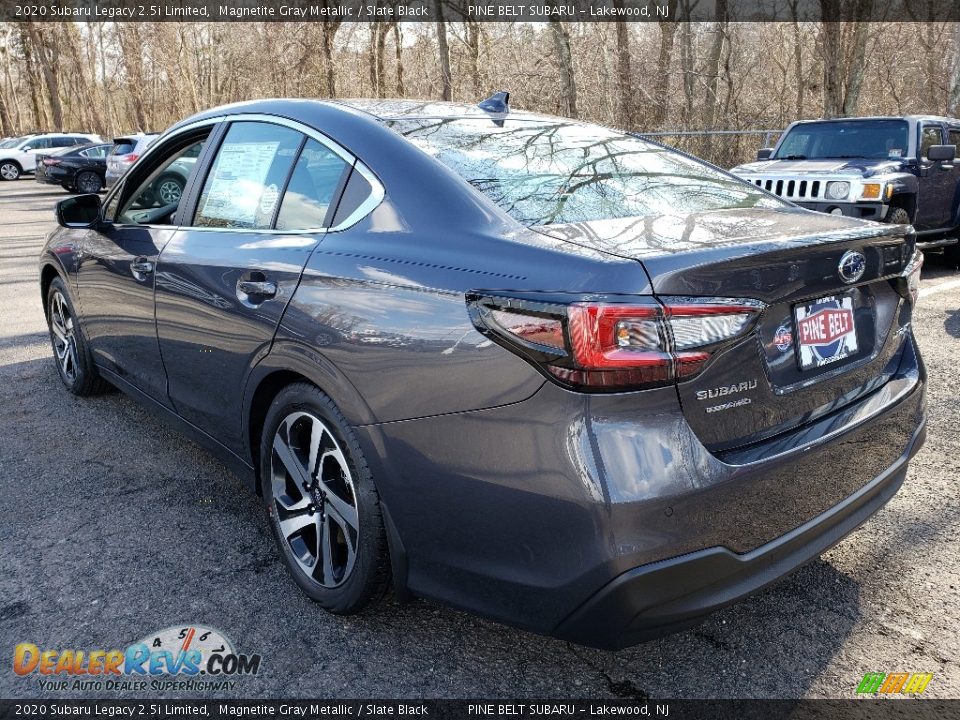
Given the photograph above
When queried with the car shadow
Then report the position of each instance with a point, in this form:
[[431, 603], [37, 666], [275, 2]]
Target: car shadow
[[952, 323], [115, 526]]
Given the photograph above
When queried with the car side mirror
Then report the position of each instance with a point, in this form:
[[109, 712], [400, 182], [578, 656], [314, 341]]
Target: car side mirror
[[27, 149], [82, 211], [764, 153], [941, 152]]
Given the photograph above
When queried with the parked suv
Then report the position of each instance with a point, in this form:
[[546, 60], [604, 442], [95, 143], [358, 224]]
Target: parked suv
[[891, 169], [21, 157], [126, 150]]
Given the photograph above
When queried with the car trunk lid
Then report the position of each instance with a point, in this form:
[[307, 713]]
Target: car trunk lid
[[821, 342]]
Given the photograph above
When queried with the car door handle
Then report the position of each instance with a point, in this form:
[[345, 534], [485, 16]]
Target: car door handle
[[141, 266], [259, 288]]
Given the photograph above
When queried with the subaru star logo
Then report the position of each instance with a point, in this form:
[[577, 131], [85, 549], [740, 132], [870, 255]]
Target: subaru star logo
[[852, 266]]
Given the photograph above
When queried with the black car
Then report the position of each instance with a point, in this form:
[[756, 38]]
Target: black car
[[78, 169], [532, 367], [890, 169]]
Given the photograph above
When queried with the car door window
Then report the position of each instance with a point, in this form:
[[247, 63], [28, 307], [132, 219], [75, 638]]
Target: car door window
[[251, 167], [953, 135], [928, 137], [311, 189], [157, 197]]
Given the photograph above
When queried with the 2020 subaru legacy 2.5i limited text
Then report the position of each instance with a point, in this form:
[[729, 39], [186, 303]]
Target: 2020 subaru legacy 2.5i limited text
[[536, 368]]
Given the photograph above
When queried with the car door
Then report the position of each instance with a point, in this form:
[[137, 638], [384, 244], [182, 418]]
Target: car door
[[935, 193], [953, 215], [117, 271], [27, 156], [224, 280]]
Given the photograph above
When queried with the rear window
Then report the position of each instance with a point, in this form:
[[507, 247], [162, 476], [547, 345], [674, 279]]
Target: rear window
[[547, 172], [123, 146]]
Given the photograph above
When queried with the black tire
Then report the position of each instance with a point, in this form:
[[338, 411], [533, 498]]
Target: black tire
[[168, 189], [292, 421], [10, 170], [70, 352], [897, 216], [88, 182], [951, 255]]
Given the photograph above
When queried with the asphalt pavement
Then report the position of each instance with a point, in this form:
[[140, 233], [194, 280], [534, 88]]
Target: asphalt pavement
[[114, 526]]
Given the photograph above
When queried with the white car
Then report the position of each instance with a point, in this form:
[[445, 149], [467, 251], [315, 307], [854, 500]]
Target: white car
[[19, 157]]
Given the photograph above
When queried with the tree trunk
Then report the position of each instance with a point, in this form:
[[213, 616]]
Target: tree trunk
[[799, 77], [568, 84], [713, 74], [398, 50], [330, 28], [473, 58], [6, 124], [446, 80], [830, 51], [668, 34], [625, 106], [49, 66], [378, 45], [953, 89]]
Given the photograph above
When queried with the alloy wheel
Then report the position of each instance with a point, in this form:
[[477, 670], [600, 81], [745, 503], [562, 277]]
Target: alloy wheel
[[88, 183], [169, 192], [64, 341], [9, 171], [314, 499]]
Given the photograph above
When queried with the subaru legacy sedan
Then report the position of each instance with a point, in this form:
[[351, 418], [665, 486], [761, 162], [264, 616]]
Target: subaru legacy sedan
[[536, 368]]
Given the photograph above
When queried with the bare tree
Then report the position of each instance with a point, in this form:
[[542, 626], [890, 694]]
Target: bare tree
[[568, 84], [443, 48], [626, 97], [953, 94]]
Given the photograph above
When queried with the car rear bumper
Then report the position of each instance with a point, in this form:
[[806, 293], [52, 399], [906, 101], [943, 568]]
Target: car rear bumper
[[52, 176], [671, 595], [604, 520]]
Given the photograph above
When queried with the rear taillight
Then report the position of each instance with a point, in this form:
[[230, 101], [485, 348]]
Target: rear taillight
[[51, 161], [613, 345], [129, 159]]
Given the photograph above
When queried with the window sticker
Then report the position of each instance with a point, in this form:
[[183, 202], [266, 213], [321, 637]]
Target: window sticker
[[895, 152], [236, 188]]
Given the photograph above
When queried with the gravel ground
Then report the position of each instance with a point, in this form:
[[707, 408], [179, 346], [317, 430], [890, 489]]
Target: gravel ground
[[114, 526]]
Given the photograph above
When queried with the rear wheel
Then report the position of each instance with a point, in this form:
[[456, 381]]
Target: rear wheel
[[74, 362], [323, 506], [88, 183], [9, 170], [169, 189]]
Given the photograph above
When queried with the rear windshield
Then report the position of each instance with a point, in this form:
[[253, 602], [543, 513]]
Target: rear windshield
[[845, 139], [547, 172], [123, 146]]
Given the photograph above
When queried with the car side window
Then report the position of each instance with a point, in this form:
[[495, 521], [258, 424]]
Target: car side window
[[96, 153], [930, 135], [953, 135], [311, 189], [158, 196], [251, 167]]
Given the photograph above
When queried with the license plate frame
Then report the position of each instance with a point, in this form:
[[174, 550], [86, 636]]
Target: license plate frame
[[825, 331]]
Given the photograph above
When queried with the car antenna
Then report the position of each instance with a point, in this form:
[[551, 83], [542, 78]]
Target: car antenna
[[499, 102]]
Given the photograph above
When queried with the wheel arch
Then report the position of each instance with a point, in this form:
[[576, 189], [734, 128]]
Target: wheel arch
[[48, 271], [289, 363]]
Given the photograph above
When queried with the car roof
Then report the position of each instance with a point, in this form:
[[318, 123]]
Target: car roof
[[394, 109], [934, 118]]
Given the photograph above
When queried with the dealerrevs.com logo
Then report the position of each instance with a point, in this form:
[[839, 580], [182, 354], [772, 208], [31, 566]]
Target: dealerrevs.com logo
[[189, 657]]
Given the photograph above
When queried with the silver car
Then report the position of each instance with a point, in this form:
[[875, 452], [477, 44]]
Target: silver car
[[126, 149]]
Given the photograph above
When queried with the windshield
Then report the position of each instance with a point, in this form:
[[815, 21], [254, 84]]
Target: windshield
[[845, 139], [544, 172]]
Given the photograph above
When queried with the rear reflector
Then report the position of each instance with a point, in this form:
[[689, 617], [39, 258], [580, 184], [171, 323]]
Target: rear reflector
[[643, 342]]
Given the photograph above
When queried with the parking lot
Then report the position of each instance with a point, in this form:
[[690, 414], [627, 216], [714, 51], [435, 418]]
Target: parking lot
[[114, 526]]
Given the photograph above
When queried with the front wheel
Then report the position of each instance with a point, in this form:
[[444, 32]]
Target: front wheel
[[323, 506], [9, 170], [74, 362], [897, 216]]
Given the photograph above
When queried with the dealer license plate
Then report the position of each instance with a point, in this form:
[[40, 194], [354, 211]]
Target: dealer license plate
[[826, 332]]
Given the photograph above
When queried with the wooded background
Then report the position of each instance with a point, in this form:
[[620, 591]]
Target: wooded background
[[647, 76]]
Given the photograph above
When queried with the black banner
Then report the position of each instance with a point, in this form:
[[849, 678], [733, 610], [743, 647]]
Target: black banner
[[868, 709], [478, 10]]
